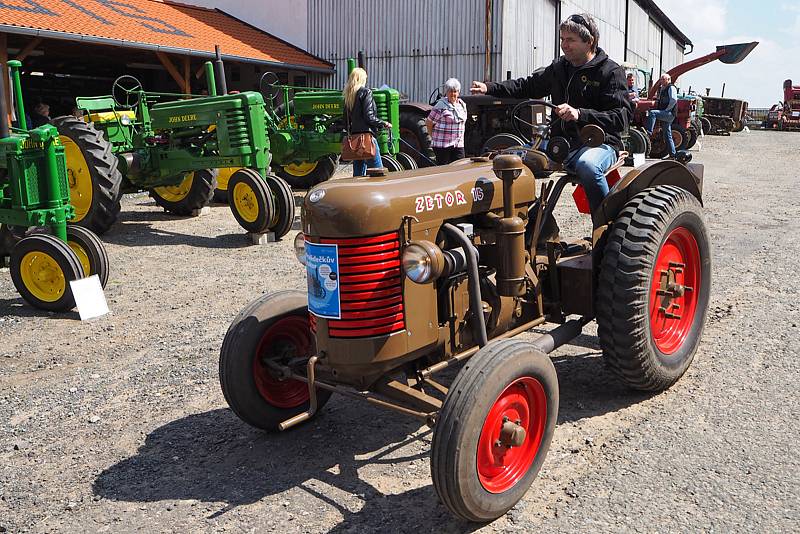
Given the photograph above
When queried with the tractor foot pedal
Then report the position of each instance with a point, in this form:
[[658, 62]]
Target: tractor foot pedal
[[263, 239], [205, 210]]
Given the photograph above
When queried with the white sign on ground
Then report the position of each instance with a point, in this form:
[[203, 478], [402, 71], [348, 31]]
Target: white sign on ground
[[89, 297]]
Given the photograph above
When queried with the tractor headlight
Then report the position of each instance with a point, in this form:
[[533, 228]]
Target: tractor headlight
[[125, 120], [423, 261], [300, 247]]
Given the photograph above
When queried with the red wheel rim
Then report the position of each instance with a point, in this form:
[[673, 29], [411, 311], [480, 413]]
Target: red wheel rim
[[289, 337], [674, 290], [501, 465]]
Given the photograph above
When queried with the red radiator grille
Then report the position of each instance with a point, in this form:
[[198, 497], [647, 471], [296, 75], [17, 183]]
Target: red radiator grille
[[370, 285]]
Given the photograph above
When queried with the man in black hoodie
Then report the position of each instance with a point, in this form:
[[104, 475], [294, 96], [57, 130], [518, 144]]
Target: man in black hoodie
[[588, 88]]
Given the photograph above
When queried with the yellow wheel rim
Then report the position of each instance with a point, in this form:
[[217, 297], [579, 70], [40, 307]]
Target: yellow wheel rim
[[224, 177], [83, 257], [176, 193], [300, 169], [79, 178], [244, 199], [42, 276]]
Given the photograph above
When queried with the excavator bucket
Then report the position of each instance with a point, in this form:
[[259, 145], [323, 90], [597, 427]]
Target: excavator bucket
[[735, 53]]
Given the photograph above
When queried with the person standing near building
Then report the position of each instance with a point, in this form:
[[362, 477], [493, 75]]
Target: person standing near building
[[587, 87], [361, 116], [664, 112], [40, 115], [446, 124], [633, 91]]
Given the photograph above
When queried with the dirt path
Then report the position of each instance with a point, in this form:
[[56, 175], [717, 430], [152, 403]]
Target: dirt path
[[119, 425]]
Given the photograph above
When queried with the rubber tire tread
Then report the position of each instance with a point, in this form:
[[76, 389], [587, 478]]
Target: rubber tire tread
[[325, 168], [406, 161], [240, 392], [692, 133], [104, 170], [204, 184], [69, 264], [94, 248], [266, 202], [622, 306], [462, 395], [284, 205], [414, 122], [391, 164]]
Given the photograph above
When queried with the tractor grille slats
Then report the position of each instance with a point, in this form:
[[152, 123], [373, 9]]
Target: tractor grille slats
[[236, 122], [371, 287]]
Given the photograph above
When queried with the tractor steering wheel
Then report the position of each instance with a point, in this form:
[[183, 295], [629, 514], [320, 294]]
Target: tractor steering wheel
[[267, 86], [436, 94], [542, 131], [126, 91]]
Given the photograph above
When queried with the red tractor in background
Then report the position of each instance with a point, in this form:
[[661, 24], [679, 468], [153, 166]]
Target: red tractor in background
[[786, 115], [682, 127]]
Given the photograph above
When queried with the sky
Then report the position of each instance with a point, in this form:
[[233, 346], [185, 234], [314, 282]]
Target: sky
[[759, 77]]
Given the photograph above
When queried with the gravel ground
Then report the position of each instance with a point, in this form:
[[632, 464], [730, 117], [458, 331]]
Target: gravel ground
[[119, 425]]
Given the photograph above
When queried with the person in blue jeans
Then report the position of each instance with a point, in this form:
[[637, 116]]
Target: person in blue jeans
[[664, 112], [361, 116], [587, 87]]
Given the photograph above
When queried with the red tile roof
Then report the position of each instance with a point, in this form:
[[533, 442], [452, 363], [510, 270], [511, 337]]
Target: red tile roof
[[169, 26]]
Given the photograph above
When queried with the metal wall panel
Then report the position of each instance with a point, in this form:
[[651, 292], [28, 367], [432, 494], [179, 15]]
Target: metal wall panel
[[412, 45], [673, 53], [654, 48], [529, 36], [638, 35]]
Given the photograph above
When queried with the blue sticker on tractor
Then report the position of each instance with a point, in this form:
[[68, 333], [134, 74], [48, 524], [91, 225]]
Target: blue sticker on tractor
[[322, 270]]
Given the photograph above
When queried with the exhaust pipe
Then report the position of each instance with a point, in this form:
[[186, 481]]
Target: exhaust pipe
[[220, 68], [4, 129]]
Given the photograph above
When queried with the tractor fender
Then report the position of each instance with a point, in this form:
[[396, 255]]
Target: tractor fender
[[655, 173], [416, 106]]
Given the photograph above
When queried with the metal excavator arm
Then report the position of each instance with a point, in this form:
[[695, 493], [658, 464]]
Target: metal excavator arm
[[730, 54]]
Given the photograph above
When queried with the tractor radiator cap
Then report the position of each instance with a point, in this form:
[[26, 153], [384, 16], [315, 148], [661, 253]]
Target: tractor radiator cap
[[507, 162]]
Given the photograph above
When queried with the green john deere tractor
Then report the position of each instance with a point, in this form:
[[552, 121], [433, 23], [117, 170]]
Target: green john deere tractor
[[45, 252], [173, 146], [305, 135]]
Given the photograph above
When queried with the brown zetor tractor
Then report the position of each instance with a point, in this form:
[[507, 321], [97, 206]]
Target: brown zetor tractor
[[413, 272]]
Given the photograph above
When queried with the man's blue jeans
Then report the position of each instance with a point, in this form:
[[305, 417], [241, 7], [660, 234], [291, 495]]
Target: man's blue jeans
[[360, 166], [590, 166], [666, 117]]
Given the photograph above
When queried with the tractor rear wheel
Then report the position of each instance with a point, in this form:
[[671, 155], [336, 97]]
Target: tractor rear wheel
[[654, 285], [192, 193], [391, 164], [223, 177], [42, 266], [494, 430], [417, 141], [684, 137], [270, 331], [692, 137], [706, 125], [307, 174], [92, 172], [407, 162], [250, 201], [500, 141], [90, 252]]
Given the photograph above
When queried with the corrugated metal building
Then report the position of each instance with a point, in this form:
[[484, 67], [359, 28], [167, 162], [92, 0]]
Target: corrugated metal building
[[415, 45]]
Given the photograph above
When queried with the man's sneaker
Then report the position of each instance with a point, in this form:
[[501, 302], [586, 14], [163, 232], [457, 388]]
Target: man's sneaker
[[668, 156]]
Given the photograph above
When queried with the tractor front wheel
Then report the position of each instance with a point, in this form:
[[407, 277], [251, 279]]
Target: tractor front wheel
[[42, 266], [223, 177], [501, 141], [250, 201], [706, 125], [268, 333], [494, 430], [391, 164], [192, 193], [307, 174], [417, 142], [654, 286], [92, 172], [90, 252]]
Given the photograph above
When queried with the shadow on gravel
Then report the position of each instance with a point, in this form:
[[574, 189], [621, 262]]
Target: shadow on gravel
[[19, 308], [214, 457], [142, 234]]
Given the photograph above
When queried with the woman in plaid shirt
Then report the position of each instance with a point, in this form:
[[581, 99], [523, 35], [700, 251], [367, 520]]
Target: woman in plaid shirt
[[446, 123]]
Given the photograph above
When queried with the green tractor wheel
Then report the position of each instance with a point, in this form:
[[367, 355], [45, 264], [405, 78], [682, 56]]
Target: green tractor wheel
[[307, 174], [42, 266], [90, 252], [194, 192], [93, 174], [284, 206]]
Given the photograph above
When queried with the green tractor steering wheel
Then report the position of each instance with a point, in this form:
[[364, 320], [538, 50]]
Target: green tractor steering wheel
[[126, 91]]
